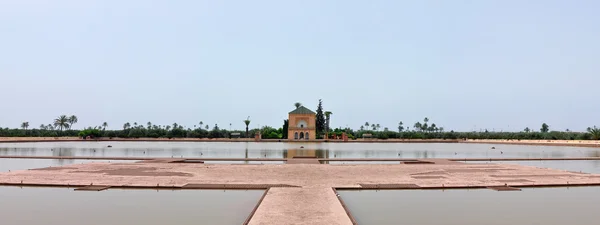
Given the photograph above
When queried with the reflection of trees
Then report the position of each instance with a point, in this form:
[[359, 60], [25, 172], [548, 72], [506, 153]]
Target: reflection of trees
[[63, 152], [593, 154]]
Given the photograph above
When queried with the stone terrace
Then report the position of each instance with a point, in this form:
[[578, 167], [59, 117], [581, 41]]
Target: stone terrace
[[308, 197]]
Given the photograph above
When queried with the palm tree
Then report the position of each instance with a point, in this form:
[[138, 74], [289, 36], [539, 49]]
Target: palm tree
[[167, 127], [373, 127], [175, 125], [42, 127], [72, 120], [207, 127], [25, 125], [425, 127], [297, 104], [595, 132], [433, 127], [50, 126], [377, 126], [134, 124], [327, 116], [149, 125], [367, 124], [247, 122], [62, 122], [104, 125], [362, 127], [418, 126], [201, 123], [126, 126], [400, 127]]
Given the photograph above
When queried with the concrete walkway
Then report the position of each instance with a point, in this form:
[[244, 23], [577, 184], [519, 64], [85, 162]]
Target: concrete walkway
[[309, 199]]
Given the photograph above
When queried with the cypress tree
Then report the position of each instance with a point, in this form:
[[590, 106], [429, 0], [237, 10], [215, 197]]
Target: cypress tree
[[320, 121]]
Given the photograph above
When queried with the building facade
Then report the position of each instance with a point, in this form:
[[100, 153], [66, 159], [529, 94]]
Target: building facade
[[302, 124]]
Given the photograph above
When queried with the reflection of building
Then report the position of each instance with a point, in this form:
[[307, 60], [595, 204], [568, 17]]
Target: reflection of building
[[302, 124], [319, 153]]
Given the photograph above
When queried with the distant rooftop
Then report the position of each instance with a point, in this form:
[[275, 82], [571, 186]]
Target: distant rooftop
[[302, 110]]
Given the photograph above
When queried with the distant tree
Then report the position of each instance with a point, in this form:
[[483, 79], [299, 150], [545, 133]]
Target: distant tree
[[320, 120], [374, 127], [418, 126], [247, 122], [62, 122], [126, 126], [43, 127], [104, 125], [149, 124], [386, 129], [433, 128], [327, 117], [207, 127], [367, 125], [201, 123], [72, 120], [527, 130], [286, 124], [175, 126], [545, 128], [594, 132], [362, 127], [377, 126], [400, 126], [50, 127], [297, 104], [25, 125]]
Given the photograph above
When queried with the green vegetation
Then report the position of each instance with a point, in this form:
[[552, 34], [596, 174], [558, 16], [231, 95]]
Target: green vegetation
[[320, 120], [247, 122], [62, 126]]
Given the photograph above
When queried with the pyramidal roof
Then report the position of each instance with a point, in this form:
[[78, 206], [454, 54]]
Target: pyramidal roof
[[302, 110]]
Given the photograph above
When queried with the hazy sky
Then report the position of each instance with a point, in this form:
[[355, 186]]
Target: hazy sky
[[502, 64]]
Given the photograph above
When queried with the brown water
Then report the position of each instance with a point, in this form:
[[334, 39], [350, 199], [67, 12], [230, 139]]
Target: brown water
[[256, 150], [41, 206], [542, 206]]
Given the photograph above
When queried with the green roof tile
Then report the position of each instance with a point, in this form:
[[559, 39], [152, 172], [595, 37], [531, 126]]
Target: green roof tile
[[302, 110]]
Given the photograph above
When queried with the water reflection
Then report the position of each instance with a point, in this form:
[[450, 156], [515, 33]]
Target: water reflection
[[33, 206], [549, 206], [281, 150]]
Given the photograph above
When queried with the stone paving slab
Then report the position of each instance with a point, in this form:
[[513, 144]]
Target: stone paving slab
[[311, 205], [313, 201]]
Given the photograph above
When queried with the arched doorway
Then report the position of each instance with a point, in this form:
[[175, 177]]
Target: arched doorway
[[296, 135], [306, 136], [301, 135]]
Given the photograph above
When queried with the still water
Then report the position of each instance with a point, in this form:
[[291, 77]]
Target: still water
[[288, 150], [36, 206], [7, 165], [548, 206], [584, 166]]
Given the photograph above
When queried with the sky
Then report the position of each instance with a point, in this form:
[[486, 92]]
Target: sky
[[464, 64]]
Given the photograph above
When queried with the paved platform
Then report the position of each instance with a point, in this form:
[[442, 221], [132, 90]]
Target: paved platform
[[298, 193]]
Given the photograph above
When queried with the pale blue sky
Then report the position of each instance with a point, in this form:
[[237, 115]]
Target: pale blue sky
[[502, 64]]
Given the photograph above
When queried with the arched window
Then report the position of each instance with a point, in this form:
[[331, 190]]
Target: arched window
[[296, 135], [306, 136], [301, 135]]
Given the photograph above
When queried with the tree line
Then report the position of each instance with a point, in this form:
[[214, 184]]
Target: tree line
[[63, 124]]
